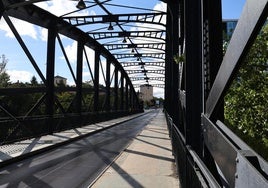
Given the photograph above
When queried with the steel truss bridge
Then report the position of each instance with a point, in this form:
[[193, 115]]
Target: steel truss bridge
[[133, 46]]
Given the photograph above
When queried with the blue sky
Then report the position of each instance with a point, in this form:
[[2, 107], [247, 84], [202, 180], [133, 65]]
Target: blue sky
[[231, 9], [19, 67]]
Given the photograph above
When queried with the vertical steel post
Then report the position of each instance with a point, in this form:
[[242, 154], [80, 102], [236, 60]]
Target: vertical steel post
[[174, 66], [108, 84], [168, 83], [2, 9], [50, 88], [212, 56], [116, 89], [79, 72], [122, 93], [172, 48], [96, 80], [127, 96], [215, 48], [130, 98], [193, 50]]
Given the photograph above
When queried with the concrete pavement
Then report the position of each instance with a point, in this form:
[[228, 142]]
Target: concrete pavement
[[147, 162]]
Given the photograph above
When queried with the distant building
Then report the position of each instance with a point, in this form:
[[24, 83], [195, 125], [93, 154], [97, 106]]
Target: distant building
[[228, 27], [60, 81], [146, 92]]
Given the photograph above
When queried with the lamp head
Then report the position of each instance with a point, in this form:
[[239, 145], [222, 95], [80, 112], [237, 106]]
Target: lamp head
[[81, 4]]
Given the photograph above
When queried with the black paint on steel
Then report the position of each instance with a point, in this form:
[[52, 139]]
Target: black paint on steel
[[96, 80], [79, 76], [212, 58], [126, 96], [122, 93], [50, 101], [149, 18], [108, 85], [115, 89], [193, 54], [2, 9], [24, 47]]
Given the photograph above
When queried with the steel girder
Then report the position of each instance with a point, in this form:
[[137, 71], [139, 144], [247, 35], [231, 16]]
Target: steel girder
[[203, 146], [149, 18]]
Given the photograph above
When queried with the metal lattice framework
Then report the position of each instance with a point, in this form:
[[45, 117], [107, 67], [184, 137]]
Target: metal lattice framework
[[137, 44]]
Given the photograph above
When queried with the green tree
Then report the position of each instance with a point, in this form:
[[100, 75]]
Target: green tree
[[34, 81], [4, 79], [246, 104]]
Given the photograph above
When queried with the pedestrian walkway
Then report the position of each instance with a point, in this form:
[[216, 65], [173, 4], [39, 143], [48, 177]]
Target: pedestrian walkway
[[11, 152], [147, 162]]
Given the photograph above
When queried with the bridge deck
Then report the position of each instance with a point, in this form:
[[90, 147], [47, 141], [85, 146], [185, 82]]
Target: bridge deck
[[22, 149], [147, 162]]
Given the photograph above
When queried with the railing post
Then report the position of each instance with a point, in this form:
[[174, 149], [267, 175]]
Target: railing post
[[50, 87]]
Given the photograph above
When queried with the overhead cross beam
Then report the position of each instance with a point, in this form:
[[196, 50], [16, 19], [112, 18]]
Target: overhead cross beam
[[152, 46], [145, 71], [140, 55], [162, 79], [155, 64], [159, 35], [153, 85], [148, 18]]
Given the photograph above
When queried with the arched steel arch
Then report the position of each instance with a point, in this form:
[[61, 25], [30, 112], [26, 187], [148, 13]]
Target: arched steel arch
[[120, 98]]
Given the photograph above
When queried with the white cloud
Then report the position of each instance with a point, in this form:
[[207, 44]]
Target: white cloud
[[21, 76], [23, 28], [71, 51], [158, 92], [43, 34], [61, 7]]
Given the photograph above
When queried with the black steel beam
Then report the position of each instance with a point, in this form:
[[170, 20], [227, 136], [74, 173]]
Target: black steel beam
[[122, 93], [151, 46], [159, 34], [127, 96], [115, 89], [79, 76], [96, 80], [24, 47], [108, 85], [118, 18], [138, 63], [193, 54], [50, 101], [2, 9]]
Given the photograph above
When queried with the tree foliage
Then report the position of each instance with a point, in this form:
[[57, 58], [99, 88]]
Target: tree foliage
[[4, 79], [246, 104]]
